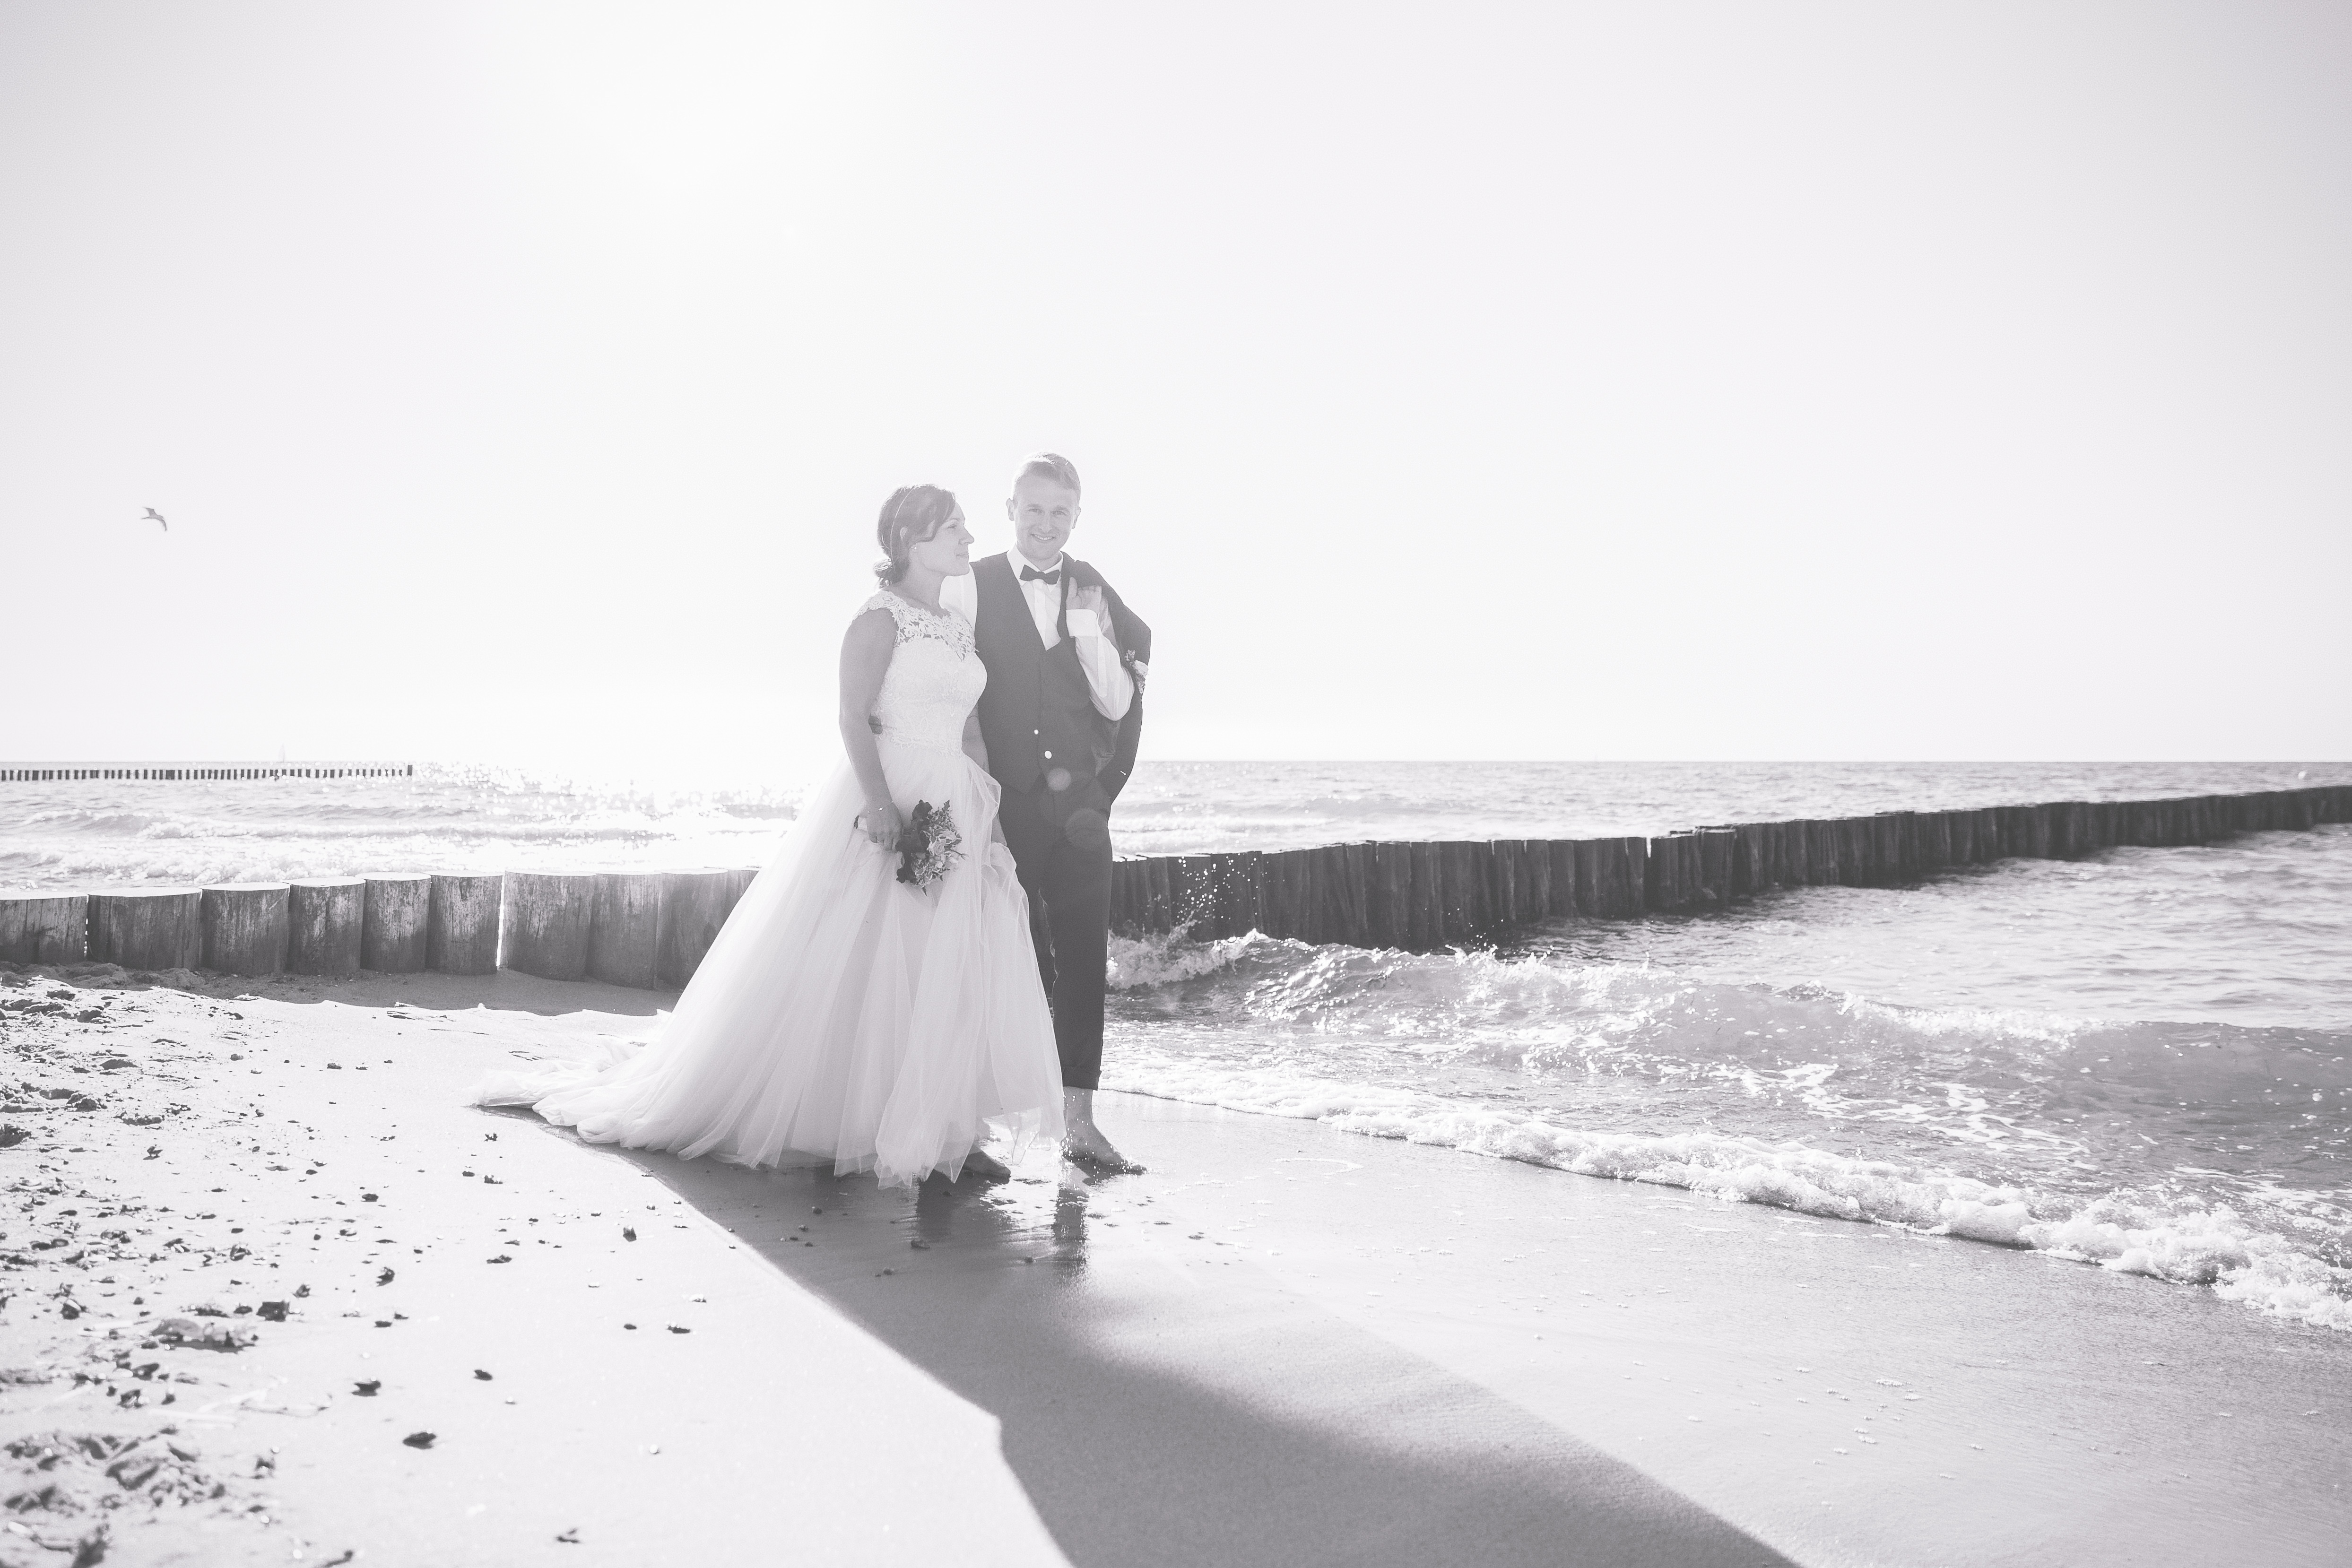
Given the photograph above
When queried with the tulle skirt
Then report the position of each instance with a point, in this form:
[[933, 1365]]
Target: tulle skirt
[[842, 1014]]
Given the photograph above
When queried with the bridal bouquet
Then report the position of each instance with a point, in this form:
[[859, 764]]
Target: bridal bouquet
[[928, 846]]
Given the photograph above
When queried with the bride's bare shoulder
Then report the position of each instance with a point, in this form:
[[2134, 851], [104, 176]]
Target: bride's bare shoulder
[[874, 626]]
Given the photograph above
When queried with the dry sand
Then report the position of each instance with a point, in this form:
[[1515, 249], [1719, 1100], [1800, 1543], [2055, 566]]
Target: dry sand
[[1283, 1346]]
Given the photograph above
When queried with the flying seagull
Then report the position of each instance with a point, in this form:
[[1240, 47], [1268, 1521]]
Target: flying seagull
[[151, 512]]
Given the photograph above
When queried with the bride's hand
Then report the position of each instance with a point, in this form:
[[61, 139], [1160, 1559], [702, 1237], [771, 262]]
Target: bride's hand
[[880, 823]]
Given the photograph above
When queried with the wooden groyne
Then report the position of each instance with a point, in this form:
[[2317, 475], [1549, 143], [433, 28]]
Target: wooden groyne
[[647, 929], [188, 772], [651, 929], [1424, 897]]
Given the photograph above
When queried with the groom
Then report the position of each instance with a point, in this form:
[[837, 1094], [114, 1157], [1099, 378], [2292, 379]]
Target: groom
[[1062, 715]]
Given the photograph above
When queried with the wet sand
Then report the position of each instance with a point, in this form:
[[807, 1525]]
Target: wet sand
[[1282, 1344]]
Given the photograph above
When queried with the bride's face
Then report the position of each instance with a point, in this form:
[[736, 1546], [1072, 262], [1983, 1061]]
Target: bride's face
[[949, 550]]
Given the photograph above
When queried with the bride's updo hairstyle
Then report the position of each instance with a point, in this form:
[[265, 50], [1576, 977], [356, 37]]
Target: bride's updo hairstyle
[[911, 514]]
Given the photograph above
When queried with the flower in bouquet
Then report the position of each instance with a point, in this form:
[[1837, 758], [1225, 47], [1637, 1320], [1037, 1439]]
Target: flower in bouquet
[[929, 845]]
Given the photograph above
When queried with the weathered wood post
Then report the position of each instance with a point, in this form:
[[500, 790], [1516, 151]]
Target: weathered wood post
[[1461, 890], [1931, 841], [1163, 894], [45, 928], [1960, 836], [325, 921], [1751, 859], [1208, 875], [1716, 847], [545, 924], [1248, 889], [148, 928], [1283, 904], [694, 906], [1427, 932], [461, 932], [1584, 858], [1890, 845], [246, 928], [625, 929], [1672, 870], [1559, 880], [1391, 897], [1499, 890], [1189, 894], [1858, 864], [394, 926], [1534, 881]]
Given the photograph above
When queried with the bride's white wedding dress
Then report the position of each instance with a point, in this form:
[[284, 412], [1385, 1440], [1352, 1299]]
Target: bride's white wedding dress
[[843, 1015]]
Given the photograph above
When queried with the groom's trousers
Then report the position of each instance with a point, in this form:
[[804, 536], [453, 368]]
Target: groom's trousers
[[1067, 874]]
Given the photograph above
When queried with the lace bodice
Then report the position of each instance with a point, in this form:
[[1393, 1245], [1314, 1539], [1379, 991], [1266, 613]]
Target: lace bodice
[[935, 675]]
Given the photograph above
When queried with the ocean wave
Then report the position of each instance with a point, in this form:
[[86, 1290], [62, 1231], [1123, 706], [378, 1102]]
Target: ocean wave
[[2182, 1242], [2191, 1153]]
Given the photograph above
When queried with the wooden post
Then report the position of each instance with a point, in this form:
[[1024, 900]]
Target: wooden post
[[45, 928], [1213, 877], [1154, 916], [1425, 928], [694, 906], [1715, 848], [625, 929], [1389, 904], [1357, 873], [1500, 885], [1559, 881], [1126, 895], [1931, 838], [1674, 872], [1960, 838], [1461, 886], [1534, 880], [1283, 904], [148, 928], [246, 928], [1187, 895], [1751, 858], [395, 923], [325, 921], [461, 928], [1613, 877], [545, 924], [1890, 845], [1858, 864], [1249, 891], [1821, 852]]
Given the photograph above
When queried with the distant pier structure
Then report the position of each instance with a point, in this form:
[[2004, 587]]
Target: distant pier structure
[[189, 772]]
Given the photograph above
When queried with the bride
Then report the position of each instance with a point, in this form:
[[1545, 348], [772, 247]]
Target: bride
[[871, 1007]]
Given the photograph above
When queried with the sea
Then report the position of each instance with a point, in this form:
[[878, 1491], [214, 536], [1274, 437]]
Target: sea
[[2136, 1061]]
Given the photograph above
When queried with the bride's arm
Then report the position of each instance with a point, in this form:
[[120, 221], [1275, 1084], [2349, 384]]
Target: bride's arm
[[975, 745], [865, 658]]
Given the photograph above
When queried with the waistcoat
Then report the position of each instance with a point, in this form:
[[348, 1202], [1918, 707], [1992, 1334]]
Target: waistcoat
[[1037, 715]]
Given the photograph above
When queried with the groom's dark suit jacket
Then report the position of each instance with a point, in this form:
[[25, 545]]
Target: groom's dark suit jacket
[[1037, 715]]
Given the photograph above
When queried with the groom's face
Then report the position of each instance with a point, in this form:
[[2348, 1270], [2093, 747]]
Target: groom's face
[[1042, 515]]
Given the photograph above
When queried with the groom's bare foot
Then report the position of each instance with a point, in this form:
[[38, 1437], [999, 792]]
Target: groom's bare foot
[[985, 1167], [1083, 1143]]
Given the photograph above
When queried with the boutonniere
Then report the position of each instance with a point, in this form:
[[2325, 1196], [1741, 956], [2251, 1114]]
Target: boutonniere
[[1136, 668], [929, 845]]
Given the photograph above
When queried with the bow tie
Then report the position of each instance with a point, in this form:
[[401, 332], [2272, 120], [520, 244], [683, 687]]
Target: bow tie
[[1031, 574]]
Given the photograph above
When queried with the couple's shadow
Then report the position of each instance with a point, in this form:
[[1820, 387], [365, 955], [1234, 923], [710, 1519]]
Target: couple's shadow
[[1188, 1410]]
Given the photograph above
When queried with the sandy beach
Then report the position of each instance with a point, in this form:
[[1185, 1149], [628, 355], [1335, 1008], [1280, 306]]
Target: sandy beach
[[274, 1294]]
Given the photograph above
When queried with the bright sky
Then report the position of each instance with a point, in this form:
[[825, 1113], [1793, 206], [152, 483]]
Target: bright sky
[[1546, 381]]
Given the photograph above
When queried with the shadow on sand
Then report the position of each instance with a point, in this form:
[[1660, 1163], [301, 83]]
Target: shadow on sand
[[1165, 1411]]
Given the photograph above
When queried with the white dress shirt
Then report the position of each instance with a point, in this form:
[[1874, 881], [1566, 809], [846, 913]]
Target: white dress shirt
[[1107, 681]]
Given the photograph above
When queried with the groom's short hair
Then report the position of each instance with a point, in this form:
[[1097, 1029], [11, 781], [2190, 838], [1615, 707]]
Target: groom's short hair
[[1050, 465]]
